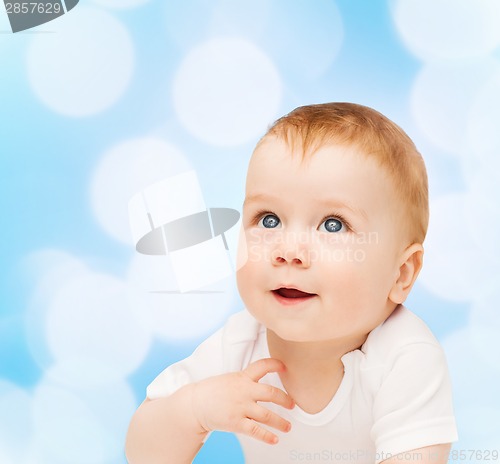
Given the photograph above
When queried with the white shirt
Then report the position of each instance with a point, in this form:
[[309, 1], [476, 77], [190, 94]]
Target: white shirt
[[395, 395]]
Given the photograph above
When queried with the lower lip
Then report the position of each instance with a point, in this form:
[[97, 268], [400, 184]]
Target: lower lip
[[291, 301]]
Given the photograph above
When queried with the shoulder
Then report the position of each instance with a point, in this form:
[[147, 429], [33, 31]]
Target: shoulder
[[238, 339], [401, 330], [408, 378], [401, 333]]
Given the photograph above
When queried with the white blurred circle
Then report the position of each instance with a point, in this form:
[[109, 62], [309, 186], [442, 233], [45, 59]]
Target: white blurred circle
[[475, 390], [442, 30], [483, 134], [82, 426], [184, 28], [90, 318], [52, 265], [464, 358], [442, 98], [120, 4], [304, 41], [482, 211], [16, 425], [241, 19], [50, 269], [81, 371], [179, 316], [478, 432], [454, 267], [5, 458], [226, 92], [485, 325], [85, 66], [125, 170]]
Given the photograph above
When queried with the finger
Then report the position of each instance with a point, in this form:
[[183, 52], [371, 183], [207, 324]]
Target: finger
[[265, 416], [260, 368], [253, 429], [269, 394]]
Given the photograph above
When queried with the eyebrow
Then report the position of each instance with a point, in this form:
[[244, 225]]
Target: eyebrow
[[327, 202]]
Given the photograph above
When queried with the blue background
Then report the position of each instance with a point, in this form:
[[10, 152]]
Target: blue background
[[76, 91]]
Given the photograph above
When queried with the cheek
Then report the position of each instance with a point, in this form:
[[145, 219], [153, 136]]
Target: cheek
[[242, 282], [242, 251], [247, 279], [256, 247], [354, 273], [339, 276], [375, 273]]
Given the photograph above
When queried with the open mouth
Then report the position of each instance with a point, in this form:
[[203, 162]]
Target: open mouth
[[291, 295]]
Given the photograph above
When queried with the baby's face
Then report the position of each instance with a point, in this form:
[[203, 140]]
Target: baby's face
[[322, 242]]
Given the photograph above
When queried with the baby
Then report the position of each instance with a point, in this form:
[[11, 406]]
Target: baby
[[325, 363]]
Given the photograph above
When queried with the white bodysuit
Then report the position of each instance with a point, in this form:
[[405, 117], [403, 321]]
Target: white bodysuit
[[395, 395]]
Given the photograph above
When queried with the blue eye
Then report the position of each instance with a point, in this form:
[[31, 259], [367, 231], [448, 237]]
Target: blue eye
[[270, 221], [332, 225]]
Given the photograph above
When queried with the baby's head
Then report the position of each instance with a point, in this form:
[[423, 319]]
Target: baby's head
[[308, 128], [335, 213]]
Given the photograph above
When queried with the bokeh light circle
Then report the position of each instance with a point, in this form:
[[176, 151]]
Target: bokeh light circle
[[179, 316], [443, 30], [482, 211], [127, 169], [476, 442], [226, 92], [50, 270], [16, 424], [462, 356], [455, 269], [483, 134], [85, 66], [304, 41], [180, 14], [442, 98], [91, 318], [473, 395], [81, 426], [485, 325], [5, 457]]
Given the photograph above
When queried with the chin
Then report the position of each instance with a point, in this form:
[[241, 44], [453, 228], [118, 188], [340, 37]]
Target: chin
[[291, 335], [292, 338]]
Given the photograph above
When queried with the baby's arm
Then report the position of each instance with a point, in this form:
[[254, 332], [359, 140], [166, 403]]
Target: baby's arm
[[163, 430], [172, 429], [436, 454]]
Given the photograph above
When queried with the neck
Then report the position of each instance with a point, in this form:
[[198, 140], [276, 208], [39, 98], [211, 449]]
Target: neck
[[312, 354]]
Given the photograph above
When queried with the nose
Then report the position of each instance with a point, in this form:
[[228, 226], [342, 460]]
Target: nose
[[292, 251]]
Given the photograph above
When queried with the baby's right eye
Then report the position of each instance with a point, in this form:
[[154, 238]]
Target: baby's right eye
[[269, 221]]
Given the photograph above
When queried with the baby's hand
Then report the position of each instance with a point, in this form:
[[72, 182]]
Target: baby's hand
[[229, 402]]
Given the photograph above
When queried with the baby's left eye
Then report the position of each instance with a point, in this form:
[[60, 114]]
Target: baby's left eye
[[332, 225]]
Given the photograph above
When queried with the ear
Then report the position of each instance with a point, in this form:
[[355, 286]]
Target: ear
[[411, 260]]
